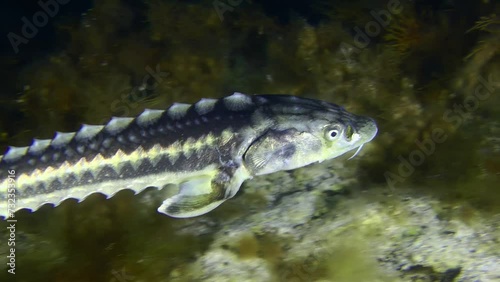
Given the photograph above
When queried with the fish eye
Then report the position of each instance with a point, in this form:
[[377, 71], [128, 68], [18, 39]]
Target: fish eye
[[332, 133]]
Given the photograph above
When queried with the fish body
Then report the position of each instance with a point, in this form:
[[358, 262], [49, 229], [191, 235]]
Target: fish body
[[201, 153]]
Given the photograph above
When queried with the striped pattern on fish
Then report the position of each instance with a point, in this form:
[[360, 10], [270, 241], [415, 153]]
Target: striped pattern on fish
[[202, 152]]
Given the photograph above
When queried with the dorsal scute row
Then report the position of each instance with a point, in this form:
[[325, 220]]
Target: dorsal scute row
[[177, 111]]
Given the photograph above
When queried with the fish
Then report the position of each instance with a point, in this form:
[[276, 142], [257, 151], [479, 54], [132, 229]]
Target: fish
[[200, 153]]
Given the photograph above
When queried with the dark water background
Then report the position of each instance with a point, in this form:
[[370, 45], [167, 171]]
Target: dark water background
[[429, 74]]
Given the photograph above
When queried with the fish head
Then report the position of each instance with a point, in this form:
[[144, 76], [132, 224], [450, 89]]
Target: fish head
[[304, 131]]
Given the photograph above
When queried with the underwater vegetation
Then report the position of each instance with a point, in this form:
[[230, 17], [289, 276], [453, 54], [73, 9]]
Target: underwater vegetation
[[419, 203]]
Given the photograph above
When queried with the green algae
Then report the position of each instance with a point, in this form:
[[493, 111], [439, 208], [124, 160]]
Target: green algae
[[406, 79]]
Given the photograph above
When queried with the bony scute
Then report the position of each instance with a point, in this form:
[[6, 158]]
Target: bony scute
[[240, 136]]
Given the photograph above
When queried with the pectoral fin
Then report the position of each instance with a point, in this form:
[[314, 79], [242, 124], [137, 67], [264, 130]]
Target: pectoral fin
[[202, 194]]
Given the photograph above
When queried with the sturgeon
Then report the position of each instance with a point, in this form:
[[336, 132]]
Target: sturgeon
[[201, 153]]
